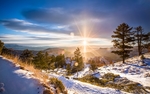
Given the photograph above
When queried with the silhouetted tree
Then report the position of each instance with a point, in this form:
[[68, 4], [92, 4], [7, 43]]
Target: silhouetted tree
[[140, 38], [147, 41], [122, 41]]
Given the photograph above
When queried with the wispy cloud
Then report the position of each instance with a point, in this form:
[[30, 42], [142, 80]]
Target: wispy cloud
[[67, 25], [53, 42]]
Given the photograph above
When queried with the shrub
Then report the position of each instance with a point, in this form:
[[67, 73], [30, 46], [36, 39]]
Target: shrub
[[108, 80], [142, 57], [110, 76], [93, 80], [57, 83], [93, 65]]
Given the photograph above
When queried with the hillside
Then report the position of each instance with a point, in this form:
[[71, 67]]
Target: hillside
[[16, 80], [134, 71]]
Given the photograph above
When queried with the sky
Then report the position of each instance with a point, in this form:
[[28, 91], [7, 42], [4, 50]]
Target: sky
[[69, 23]]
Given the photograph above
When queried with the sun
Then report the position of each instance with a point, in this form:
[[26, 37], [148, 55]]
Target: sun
[[84, 45], [84, 42]]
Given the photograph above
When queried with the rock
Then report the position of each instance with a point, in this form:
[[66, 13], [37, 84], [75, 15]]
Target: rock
[[147, 75], [142, 63]]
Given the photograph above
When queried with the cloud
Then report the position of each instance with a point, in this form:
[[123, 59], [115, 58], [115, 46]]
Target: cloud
[[24, 26], [96, 19], [52, 42], [57, 16], [101, 17]]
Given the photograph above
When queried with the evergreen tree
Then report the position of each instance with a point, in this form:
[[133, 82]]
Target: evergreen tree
[[47, 58], [53, 58], [39, 61], [26, 56], [122, 41], [1, 46], [78, 58], [60, 61], [147, 41], [52, 62], [6, 51], [140, 38], [68, 67]]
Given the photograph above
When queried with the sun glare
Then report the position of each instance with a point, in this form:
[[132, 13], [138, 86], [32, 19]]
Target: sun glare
[[84, 42], [84, 46], [85, 29]]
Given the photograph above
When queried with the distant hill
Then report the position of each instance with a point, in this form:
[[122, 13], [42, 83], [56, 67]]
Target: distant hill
[[20, 47], [54, 51]]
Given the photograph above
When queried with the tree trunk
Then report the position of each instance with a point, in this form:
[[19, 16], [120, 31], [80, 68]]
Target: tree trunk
[[123, 48], [123, 59]]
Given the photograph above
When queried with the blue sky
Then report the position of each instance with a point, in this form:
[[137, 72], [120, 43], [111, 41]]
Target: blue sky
[[67, 23]]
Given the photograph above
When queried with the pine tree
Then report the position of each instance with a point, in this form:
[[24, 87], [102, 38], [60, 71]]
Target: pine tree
[[60, 61], [47, 58], [26, 56], [78, 58], [6, 51], [39, 61], [146, 42], [122, 41], [140, 39], [68, 68]]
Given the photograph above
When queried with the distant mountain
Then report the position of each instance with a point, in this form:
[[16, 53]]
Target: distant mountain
[[20, 47], [54, 51]]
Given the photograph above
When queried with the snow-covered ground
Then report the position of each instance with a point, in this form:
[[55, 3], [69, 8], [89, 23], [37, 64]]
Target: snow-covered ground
[[77, 87], [17, 81], [132, 70]]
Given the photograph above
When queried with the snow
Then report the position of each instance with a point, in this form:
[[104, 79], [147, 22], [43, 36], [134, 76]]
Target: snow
[[82, 73], [77, 87], [17, 81], [132, 69]]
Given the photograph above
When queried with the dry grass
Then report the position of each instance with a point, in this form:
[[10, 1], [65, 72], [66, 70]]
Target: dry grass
[[43, 78]]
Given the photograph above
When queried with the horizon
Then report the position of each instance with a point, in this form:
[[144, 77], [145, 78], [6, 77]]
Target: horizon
[[68, 23]]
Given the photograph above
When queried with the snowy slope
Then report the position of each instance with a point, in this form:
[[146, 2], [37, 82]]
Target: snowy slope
[[77, 87], [132, 69], [17, 81]]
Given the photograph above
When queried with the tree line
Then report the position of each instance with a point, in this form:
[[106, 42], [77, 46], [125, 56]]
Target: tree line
[[126, 37], [42, 60]]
